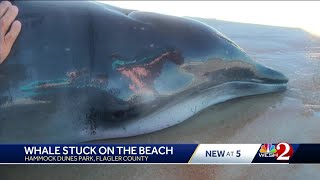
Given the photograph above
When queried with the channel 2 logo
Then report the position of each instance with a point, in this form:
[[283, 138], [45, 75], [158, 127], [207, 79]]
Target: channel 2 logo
[[282, 151]]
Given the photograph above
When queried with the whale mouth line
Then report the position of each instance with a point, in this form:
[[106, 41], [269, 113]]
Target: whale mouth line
[[260, 81], [272, 83], [268, 81]]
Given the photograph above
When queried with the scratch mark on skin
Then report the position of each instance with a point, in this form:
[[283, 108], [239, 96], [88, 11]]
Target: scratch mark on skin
[[142, 76], [194, 110], [73, 79], [77, 73]]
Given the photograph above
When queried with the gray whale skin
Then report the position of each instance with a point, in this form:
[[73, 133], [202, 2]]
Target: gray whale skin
[[83, 71]]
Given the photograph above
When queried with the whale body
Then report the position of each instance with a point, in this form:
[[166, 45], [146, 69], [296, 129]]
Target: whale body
[[83, 71]]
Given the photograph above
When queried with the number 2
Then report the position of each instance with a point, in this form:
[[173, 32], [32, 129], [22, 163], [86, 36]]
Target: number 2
[[284, 155]]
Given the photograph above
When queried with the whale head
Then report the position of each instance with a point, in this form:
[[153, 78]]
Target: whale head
[[227, 63], [201, 68], [201, 57]]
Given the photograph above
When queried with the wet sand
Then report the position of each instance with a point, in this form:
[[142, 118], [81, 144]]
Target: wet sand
[[292, 116]]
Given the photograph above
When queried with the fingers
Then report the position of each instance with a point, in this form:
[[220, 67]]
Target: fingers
[[12, 35], [8, 13], [8, 18], [4, 5]]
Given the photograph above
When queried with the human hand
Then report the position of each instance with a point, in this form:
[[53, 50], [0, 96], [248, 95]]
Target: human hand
[[8, 13]]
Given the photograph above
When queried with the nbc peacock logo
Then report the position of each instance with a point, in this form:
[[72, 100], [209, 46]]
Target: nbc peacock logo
[[268, 150]]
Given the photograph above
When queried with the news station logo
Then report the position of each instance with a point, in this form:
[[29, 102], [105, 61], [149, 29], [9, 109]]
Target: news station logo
[[282, 151]]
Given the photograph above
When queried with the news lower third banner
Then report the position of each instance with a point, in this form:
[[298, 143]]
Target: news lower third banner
[[159, 153]]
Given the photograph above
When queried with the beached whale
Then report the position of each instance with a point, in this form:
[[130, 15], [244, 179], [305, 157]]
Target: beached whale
[[82, 71]]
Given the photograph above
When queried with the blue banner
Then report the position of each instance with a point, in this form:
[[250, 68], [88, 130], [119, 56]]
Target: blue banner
[[282, 152], [96, 153]]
